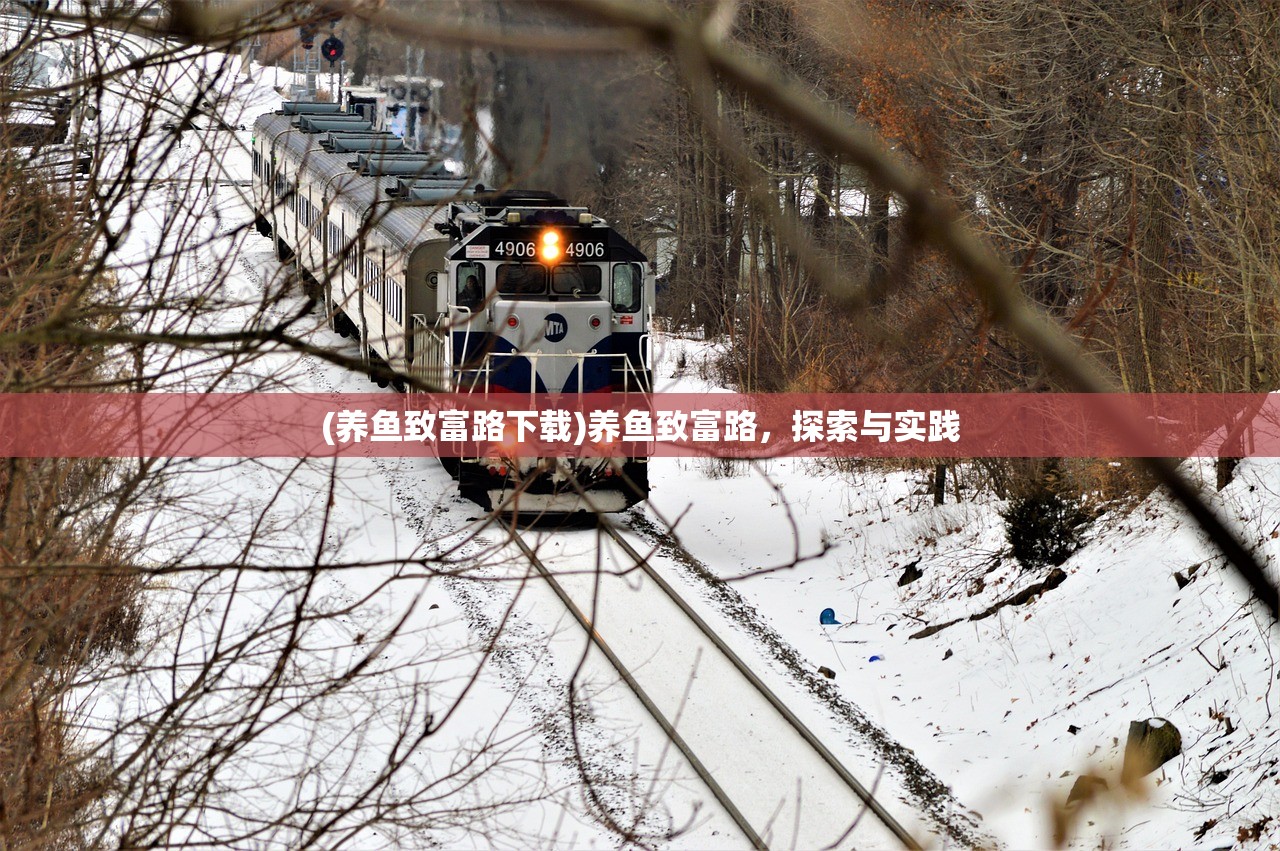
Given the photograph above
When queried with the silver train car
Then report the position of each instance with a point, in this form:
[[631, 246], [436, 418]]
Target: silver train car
[[461, 289]]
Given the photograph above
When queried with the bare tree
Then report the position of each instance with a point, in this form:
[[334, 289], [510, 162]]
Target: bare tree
[[126, 724]]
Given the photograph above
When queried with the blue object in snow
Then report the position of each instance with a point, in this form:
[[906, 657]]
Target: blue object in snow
[[876, 659], [828, 618]]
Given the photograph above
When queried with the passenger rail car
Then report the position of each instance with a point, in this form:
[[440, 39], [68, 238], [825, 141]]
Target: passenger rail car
[[461, 289]]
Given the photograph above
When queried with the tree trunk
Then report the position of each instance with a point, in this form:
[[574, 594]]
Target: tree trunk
[[878, 213], [360, 67]]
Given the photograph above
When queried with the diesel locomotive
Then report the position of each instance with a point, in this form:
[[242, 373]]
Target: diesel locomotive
[[450, 287]]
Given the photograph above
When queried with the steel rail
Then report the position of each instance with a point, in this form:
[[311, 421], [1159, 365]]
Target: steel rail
[[864, 794], [667, 727]]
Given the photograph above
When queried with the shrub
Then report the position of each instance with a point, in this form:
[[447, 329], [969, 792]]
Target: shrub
[[61, 627], [1044, 526]]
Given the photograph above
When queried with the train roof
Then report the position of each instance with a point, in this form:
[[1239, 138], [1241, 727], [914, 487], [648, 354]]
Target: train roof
[[410, 193], [297, 107], [342, 141], [404, 222]]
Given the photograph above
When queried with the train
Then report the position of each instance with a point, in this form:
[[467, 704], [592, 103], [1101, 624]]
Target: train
[[452, 287]]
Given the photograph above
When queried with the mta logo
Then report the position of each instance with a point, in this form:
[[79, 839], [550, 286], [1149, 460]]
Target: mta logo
[[557, 327]]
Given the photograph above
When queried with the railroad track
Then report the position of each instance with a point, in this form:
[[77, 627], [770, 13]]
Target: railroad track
[[774, 778]]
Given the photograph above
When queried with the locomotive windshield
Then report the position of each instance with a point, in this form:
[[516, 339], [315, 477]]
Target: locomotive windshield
[[534, 279], [522, 279], [576, 280]]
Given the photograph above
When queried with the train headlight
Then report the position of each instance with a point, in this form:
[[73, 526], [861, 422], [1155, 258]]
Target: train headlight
[[549, 247]]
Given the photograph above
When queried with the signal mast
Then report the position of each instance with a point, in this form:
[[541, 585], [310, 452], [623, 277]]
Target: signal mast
[[306, 63]]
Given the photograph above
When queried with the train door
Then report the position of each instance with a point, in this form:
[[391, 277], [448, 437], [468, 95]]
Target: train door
[[261, 184], [426, 283], [393, 283], [425, 306], [342, 266], [466, 305], [380, 298], [629, 308], [275, 193]]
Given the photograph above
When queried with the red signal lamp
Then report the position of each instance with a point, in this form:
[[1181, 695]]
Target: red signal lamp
[[332, 49]]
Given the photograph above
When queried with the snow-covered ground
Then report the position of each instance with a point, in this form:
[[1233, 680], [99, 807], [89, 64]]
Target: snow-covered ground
[[420, 666], [1012, 708]]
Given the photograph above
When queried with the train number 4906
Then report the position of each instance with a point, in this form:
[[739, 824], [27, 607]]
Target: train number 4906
[[574, 250], [585, 250], [510, 248]]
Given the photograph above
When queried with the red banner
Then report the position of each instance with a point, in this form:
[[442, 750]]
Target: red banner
[[732, 425]]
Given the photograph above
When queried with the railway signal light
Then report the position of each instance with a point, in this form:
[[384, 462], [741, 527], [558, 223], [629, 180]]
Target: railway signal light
[[307, 33], [332, 49]]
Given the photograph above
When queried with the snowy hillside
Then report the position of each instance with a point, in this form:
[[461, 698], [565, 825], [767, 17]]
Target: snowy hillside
[[1011, 709]]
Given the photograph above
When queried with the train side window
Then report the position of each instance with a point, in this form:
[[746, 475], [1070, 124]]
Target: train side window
[[470, 285], [628, 282], [522, 279], [571, 279]]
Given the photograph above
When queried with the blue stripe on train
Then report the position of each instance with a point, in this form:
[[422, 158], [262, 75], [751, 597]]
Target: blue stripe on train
[[513, 373], [508, 373]]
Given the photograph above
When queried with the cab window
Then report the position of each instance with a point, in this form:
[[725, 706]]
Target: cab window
[[522, 279], [627, 284], [469, 290], [576, 280]]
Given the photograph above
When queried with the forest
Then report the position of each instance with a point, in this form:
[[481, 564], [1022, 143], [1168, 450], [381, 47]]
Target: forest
[[840, 196]]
